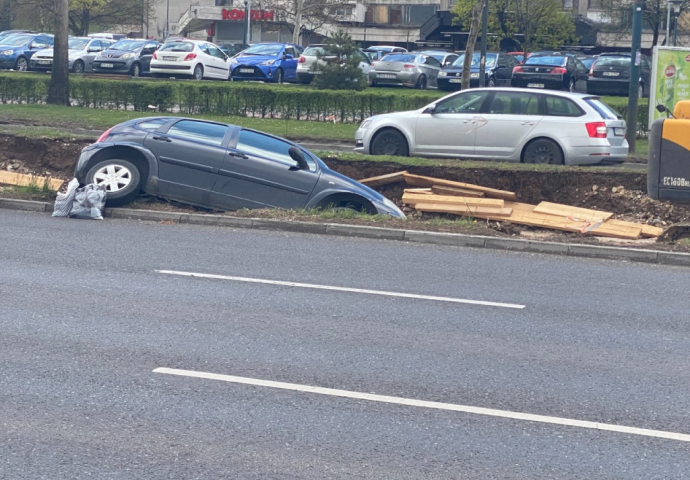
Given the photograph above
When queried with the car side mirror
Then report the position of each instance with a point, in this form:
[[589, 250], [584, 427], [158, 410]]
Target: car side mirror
[[297, 155], [288, 56], [431, 109], [38, 46], [95, 49]]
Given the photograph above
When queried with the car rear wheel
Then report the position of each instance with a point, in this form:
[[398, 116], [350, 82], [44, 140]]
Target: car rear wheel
[[21, 65], [421, 83], [136, 70], [492, 82], [543, 151], [390, 142], [78, 67], [121, 179], [198, 72], [279, 76]]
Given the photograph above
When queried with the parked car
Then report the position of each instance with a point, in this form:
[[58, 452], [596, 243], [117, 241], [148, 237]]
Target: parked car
[[377, 52], [82, 51], [498, 71], [126, 56], [444, 58], [16, 50], [555, 71], [305, 73], [230, 49], [109, 36], [267, 62], [587, 60], [519, 125], [413, 70], [610, 75], [7, 33], [519, 56], [216, 165], [190, 58]]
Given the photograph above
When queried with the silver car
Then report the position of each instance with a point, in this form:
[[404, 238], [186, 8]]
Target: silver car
[[508, 124], [414, 70], [308, 59], [82, 51]]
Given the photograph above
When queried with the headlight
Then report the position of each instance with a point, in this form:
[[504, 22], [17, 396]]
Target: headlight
[[365, 124], [267, 62], [7, 52], [474, 75], [128, 55], [442, 74]]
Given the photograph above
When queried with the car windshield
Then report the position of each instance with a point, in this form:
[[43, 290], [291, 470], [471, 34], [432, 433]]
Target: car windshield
[[177, 47], [268, 50], [587, 62], [127, 45], [313, 51], [518, 57], [77, 43], [16, 40], [613, 61], [555, 60], [490, 60], [399, 57]]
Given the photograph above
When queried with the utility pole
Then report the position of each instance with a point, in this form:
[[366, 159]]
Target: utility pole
[[635, 57], [482, 58]]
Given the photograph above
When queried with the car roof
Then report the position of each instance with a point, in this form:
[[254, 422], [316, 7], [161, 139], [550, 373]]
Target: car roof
[[557, 93]]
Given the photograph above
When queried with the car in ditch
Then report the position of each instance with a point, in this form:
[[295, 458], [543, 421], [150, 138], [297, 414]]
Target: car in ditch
[[127, 56], [219, 166], [502, 123], [81, 53]]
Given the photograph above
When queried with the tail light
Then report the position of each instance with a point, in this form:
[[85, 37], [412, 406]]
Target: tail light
[[596, 129], [302, 59], [154, 56], [559, 71], [408, 66], [591, 71], [518, 69], [190, 56], [104, 135]]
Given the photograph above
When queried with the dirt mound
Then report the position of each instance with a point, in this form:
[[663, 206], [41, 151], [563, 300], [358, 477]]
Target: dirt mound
[[40, 156]]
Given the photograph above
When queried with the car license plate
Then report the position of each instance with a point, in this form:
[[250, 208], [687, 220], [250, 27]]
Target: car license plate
[[170, 59], [535, 85], [246, 70], [455, 80], [619, 131], [106, 65], [474, 75], [612, 74], [45, 62], [385, 75]]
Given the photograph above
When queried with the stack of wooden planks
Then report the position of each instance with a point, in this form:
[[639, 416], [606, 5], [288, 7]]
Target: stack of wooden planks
[[13, 178], [466, 199]]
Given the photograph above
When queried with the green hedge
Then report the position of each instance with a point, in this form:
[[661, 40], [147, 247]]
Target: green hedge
[[236, 98]]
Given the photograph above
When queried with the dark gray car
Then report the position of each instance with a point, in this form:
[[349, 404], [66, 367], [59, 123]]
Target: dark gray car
[[128, 56], [217, 165]]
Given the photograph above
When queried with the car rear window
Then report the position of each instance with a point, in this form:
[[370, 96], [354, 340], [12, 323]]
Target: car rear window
[[562, 107], [613, 62], [399, 57], [602, 109], [312, 51], [178, 47], [557, 61]]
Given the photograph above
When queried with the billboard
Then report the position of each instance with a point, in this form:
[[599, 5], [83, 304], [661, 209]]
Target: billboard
[[670, 79]]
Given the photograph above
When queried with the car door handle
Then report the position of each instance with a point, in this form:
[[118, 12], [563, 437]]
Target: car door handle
[[527, 123], [238, 155], [162, 139], [468, 121]]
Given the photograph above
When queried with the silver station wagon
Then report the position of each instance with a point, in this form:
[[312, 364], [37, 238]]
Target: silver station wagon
[[508, 124]]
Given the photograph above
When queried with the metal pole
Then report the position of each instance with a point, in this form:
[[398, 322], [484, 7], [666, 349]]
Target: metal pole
[[668, 23], [631, 123], [482, 58], [167, 20], [675, 29], [244, 27], [249, 22]]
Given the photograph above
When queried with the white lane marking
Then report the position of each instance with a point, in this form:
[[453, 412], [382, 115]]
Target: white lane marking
[[341, 289], [425, 404]]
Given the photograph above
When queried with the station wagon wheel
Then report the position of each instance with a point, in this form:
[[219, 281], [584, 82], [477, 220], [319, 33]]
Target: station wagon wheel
[[22, 65], [121, 179], [78, 67], [543, 151], [390, 142], [421, 83], [279, 76], [136, 70], [198, 72]]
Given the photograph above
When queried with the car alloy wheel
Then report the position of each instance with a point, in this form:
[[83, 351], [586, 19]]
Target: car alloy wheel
[[136, 70], [121, 179], [78, 67], [421, 83], [114, 177], [492, 82], [22, 65], [279, 76], [198, 72]]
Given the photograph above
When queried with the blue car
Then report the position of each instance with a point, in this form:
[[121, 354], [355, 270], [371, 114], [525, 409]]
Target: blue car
[[266, 62], [17, 49]]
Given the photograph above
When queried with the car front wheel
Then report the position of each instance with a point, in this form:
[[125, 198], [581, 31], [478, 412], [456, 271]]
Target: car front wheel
[[279, 76], [22, 65], [121, 179], [136, 70]]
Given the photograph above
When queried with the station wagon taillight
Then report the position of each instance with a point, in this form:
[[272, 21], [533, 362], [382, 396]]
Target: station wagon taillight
[[596, 129]]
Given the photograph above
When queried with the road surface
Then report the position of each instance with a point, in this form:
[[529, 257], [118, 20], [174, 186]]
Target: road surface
[[529, 366]]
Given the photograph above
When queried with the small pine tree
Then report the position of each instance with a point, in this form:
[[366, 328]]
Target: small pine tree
[[338, 65]]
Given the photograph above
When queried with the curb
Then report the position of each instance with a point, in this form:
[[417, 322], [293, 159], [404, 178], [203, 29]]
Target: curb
[[434, 238]]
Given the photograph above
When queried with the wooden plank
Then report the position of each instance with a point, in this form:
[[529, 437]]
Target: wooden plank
[[459, 192], [412, 198], [648, 231], [20, 179], [464, 210], [521, 207], [577, 213], [421, 181], [384, 179], [425, 191]]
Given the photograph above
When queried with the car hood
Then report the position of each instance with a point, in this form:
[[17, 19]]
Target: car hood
[[397, 115], [253, 59], [47, 52], [342, 181], [12, 47]]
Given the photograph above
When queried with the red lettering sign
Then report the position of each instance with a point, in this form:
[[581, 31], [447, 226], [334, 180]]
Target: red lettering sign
[[257, 15]]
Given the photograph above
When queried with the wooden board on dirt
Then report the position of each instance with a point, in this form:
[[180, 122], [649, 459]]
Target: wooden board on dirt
[[424, 191], [648, 231], [21, 179], [464, 210], [384, 179], [458, 192], [421, 181], [413, 198], [577, 213]]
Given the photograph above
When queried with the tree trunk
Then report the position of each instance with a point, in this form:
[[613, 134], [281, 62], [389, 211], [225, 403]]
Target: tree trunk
[[471, 42], [85, 19], [299, 7], [58, 92]]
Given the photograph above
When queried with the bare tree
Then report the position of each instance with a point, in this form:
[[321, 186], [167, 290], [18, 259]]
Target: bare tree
[[58, 91], [471, 42], [312, 14]]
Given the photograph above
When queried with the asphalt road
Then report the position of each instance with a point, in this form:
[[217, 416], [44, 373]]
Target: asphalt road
[[85, 319]]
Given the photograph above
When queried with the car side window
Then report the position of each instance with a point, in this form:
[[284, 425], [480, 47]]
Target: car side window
[[215, 52], [561, 107], [210, 133], [432, 61], [272, 148], [469, 102], [289, 51], [515, 103]]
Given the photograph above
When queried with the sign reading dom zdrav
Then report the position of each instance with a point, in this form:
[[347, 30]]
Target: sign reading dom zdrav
[[670, 79], [237, 14]]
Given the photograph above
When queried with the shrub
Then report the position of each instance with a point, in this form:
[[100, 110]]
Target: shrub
[[338, 65]]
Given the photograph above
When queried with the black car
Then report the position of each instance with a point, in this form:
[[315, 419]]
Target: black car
[[216, 165], [552, 70], [127, 56], [610, 75], [498, 70]]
